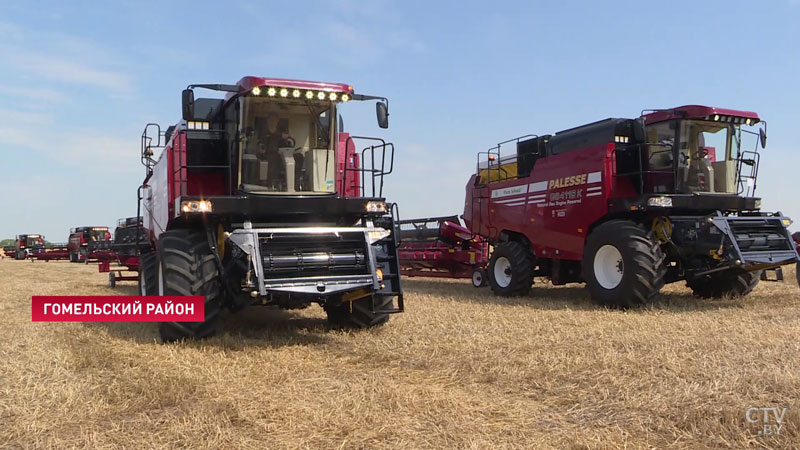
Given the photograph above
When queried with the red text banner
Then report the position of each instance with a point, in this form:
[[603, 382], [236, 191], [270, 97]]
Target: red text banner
[[117, 309]]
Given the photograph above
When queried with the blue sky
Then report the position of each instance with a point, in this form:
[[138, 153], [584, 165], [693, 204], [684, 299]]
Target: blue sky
[[79, 81]]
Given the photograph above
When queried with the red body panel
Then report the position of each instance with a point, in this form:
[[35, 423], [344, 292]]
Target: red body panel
[[554, 207]]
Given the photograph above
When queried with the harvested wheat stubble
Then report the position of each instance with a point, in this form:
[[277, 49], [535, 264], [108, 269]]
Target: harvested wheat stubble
[[460, 369]]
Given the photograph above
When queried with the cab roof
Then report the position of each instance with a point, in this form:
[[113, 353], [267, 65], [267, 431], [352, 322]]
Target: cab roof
[[697, 112]]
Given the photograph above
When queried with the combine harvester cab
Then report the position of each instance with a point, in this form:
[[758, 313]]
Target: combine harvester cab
[[28, 246], [89, 244], [262, 198], [627, 205], [442, 247]]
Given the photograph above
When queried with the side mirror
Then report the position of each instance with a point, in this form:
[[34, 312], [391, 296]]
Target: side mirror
[[762, 137], [382, 111], [639, 134], [187, 100]]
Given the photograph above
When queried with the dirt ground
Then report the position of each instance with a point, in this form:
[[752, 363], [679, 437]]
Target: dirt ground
[[460, 369]]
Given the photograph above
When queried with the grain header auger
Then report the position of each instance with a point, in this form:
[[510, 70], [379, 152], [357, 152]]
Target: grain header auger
[[627, 205], [442, 247], [262, 198]]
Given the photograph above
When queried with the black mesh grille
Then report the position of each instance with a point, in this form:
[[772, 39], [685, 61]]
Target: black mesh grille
[[304, 255]]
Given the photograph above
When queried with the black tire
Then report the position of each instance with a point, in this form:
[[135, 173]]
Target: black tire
[[188, 267], [639, 275], [511, 269], [19, 255], [479, 277], [73, 258], [112, 280], [729, 283], [362, 315], [148, 275]]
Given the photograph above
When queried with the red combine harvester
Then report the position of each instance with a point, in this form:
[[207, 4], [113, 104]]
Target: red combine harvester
[[28, 246], [442, 247], [628, 205], [261, 198], [9, 251], [125, 251], [87, 244]]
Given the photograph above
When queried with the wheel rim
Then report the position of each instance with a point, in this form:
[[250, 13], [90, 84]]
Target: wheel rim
[[502, 271], [477, 278], [608, 267]]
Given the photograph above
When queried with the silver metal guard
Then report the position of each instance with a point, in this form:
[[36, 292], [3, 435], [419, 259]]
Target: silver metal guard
[[247, 240]]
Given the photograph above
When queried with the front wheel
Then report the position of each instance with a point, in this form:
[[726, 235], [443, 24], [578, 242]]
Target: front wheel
[[729, 283], [623, 265], [112, 280], [797, 273], [511, 269], [479, 277], [187, 267], [148, 277], [362, 313]]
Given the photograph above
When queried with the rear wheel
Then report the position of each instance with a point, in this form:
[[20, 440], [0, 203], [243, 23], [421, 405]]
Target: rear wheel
[[511, 269], [361, 314], [623, 265], [729, 283], [188, 267], [148, 277], [479, 277]]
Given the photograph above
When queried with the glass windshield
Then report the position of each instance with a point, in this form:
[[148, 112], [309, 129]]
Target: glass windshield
[[286, 146], [97, 235], [32, 241], [707, 157]]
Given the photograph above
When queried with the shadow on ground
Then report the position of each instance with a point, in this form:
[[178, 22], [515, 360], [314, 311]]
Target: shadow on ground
[[254, 326], [545, 296]]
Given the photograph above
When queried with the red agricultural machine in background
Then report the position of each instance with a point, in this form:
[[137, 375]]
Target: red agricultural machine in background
[[128, 233], [442, 247], [89, 244], [627, 205], [28, 245], [262, 198]]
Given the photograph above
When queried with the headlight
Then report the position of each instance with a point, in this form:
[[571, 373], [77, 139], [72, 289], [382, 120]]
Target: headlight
[[191, 206], [787, 222], [376, 234], [662, 202], [374, 206]]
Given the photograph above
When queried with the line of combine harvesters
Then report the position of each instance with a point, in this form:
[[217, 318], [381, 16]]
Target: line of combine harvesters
[[262, 197], [88, 245]]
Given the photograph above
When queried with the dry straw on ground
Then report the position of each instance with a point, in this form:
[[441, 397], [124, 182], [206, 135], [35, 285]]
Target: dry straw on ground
[[460, 369]]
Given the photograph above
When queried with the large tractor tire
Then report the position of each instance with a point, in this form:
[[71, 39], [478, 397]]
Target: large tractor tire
[[148, 274], [511, 269], [623, 265], [361, 315], [186, 267], [19, 255], [73, 257], [730, 283], [797, 272]]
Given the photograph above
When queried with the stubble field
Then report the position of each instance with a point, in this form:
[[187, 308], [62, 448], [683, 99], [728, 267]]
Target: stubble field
[[460, 369]]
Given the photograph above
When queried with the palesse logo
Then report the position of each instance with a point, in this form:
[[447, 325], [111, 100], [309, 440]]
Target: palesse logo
[[117, 309]]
